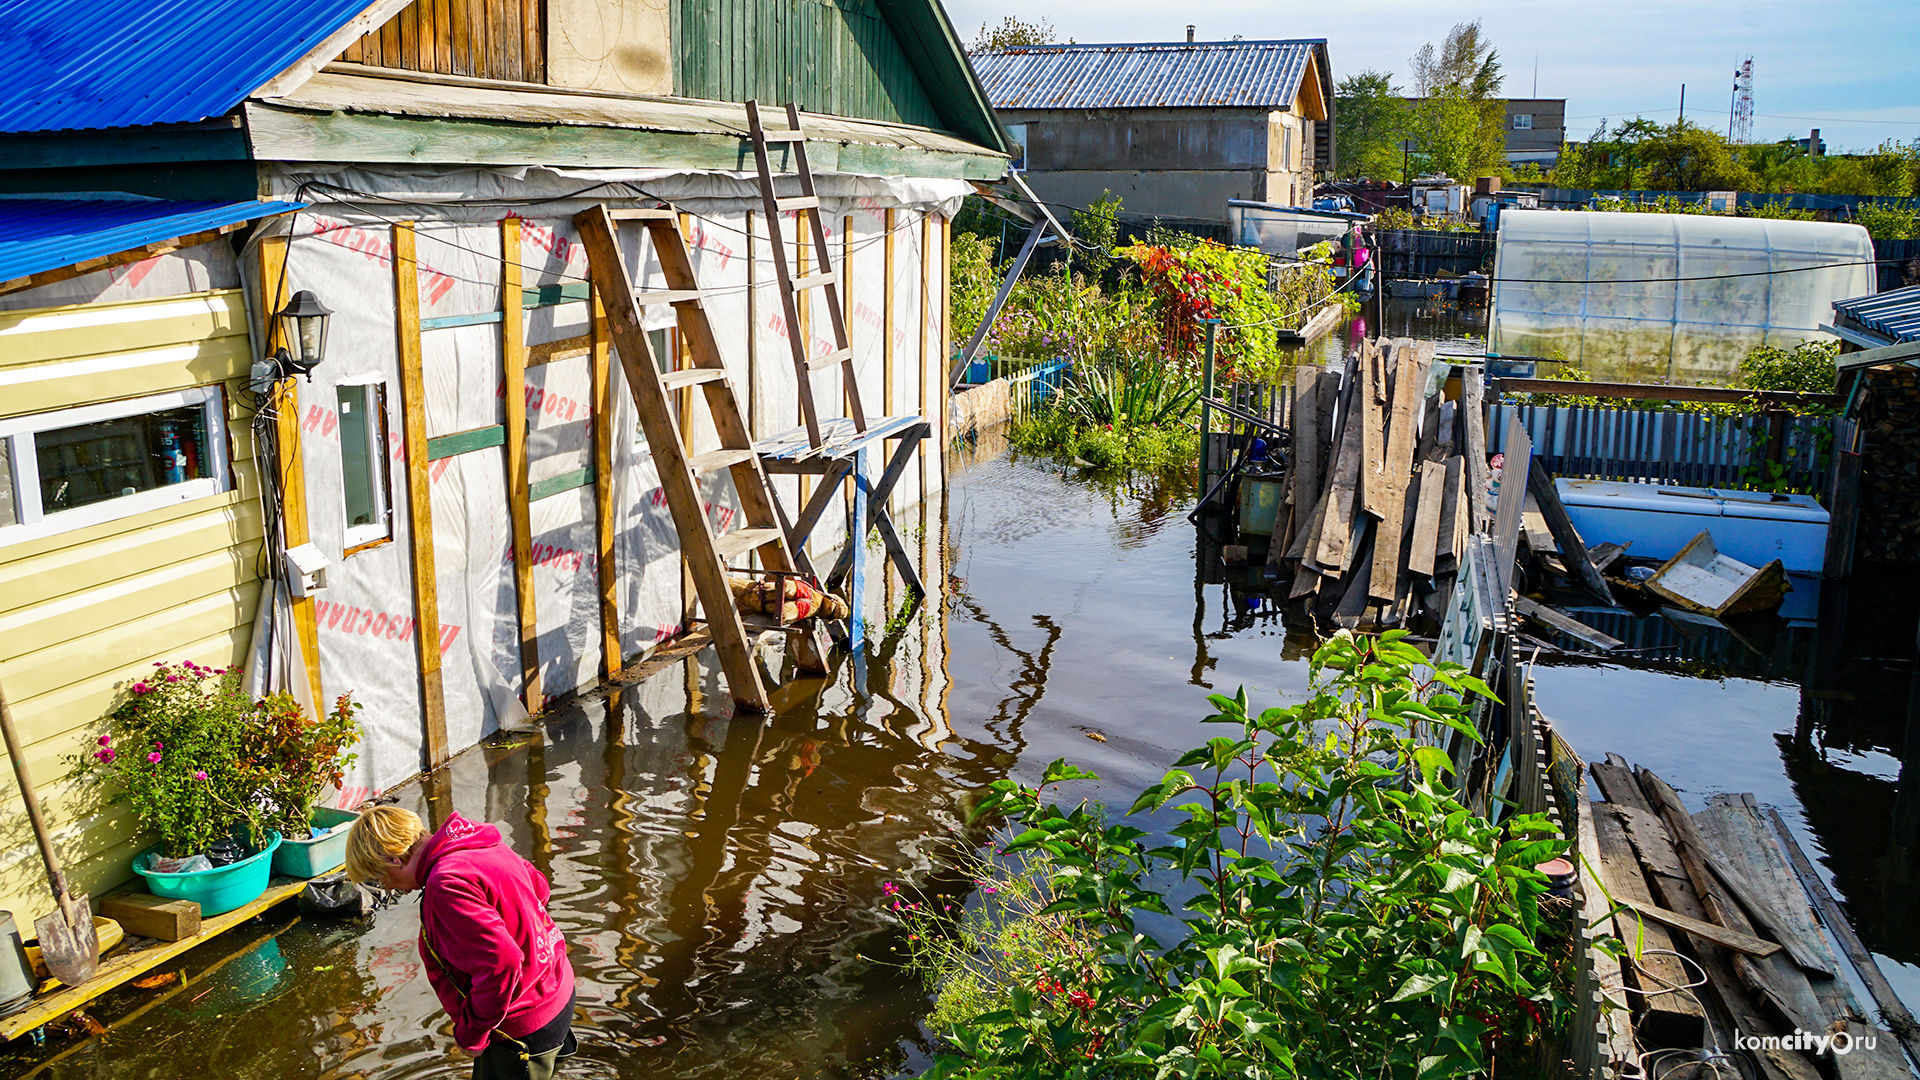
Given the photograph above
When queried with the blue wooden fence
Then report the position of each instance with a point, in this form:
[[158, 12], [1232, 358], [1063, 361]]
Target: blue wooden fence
[[1657, 447]]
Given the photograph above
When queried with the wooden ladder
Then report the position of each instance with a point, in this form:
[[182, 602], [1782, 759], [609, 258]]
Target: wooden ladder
[[826, 277], [705, 553]]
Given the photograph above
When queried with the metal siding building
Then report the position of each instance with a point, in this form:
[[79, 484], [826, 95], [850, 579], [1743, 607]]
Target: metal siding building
[[1236, 74]]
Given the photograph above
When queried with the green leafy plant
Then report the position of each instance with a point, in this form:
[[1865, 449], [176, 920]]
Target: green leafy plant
[[291, 758], [1341, 912], [174, 750], [1886, 222]]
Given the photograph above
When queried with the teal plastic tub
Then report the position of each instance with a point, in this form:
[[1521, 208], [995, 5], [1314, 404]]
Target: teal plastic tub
[[221, 889], [319, 853]]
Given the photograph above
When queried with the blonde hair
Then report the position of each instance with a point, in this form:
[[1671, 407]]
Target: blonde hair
[[378, 834]]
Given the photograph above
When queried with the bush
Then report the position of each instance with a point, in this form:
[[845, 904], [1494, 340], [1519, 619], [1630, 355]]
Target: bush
[[1886, 222], [1345, 913]]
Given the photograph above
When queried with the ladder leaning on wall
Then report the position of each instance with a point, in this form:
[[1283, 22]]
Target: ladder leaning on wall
[[705, 553]]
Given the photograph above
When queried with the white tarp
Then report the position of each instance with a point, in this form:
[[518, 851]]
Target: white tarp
[[342, 251]]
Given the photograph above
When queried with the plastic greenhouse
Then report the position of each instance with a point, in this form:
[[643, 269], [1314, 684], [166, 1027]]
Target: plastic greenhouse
[[1666, 297]]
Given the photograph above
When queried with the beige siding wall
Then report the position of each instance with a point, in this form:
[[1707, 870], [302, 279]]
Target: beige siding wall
[[82, 613]]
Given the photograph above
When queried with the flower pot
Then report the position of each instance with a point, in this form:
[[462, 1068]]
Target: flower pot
[[319, 853], [220, 889]]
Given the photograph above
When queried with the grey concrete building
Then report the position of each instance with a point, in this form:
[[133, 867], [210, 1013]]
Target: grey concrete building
[[1174, 130], [1536, 129]]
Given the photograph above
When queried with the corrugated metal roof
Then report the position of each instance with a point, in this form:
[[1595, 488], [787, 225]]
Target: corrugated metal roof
[[47, 234], [1896, 313], [115, 63], [1251, 74]]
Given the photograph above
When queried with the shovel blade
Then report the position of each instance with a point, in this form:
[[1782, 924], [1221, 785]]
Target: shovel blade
[[71, 952]]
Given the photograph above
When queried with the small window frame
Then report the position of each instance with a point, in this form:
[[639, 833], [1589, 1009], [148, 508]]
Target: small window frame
[[356, 538], [33, 522], [1523, 121]]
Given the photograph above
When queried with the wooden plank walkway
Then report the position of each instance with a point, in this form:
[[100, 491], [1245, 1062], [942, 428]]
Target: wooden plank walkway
[[139, 956]]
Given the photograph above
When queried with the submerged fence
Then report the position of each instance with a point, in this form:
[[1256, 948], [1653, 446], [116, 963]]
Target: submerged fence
[[1419, 253], [1769, 451]]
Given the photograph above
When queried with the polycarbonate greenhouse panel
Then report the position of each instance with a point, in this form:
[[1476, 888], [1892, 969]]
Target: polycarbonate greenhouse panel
[[1666, 297]]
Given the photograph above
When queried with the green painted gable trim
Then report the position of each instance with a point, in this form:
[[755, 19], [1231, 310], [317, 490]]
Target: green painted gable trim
[[922, 28]]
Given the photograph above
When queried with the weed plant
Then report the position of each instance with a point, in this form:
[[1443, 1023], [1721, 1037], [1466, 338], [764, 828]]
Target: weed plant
[[1341, 912]]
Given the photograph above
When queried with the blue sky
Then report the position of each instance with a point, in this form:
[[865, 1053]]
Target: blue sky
[[1847, 68]]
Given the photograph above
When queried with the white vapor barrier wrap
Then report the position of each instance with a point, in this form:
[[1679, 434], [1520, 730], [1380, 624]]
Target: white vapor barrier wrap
[[342, 252]]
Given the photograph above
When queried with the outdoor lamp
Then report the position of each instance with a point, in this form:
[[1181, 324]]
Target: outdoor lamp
[[303, 323]]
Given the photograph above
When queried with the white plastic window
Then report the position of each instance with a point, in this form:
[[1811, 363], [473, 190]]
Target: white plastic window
[[77, 467], [365, 500], [1522, 122]]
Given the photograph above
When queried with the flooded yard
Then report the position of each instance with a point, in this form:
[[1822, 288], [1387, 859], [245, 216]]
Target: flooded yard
[[720, 878]]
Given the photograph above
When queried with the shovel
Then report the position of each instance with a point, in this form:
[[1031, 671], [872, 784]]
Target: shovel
[[67, 944]]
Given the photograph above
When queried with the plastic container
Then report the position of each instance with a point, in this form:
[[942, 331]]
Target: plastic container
[[221, 889], [1260, 504], [325, 850]]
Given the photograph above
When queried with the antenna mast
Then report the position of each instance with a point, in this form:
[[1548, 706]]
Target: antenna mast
[[1740, 122]]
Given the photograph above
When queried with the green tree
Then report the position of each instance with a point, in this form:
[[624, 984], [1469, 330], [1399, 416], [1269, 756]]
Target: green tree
[[1459, 121], [1013, 33], [1640, 153], [1373, 119]]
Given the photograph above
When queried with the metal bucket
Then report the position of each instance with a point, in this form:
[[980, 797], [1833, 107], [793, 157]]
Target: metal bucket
[[16, 974]]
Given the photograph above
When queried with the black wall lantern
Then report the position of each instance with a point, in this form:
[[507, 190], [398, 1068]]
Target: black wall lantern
[[303, 324]]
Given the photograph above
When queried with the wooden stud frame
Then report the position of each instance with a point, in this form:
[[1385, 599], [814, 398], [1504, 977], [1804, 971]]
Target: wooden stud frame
[[513, 353], [293, 475], [604, 433], [413, 404]]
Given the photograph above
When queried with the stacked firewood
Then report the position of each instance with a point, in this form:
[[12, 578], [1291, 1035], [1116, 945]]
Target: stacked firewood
[[1384, 488], [1890, 468]]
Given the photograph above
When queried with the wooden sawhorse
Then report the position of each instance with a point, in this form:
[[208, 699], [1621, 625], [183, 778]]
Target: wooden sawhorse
[[846, 452]]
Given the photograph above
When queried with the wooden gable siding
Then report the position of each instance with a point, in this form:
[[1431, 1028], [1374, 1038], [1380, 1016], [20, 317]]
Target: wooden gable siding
[[86, 612], [484, 39], [832, 56]]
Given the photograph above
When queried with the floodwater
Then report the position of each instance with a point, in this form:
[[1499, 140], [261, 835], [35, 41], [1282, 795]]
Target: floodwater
[[720, 879]]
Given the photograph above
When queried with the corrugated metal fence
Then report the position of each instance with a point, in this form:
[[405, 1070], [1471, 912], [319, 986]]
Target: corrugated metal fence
[[1691, 449], [1419, 253]]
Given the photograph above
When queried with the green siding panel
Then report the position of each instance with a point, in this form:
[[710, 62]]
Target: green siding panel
[[831, 56]]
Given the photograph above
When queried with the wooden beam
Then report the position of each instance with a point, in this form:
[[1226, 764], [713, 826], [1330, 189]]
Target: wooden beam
[[1721, 395], [1473, 412], [370, 19], [1676, 1019], [413, 404], [290, 464], [612, 651], [1568, 537], [1397, 468], [1372, 410], [1565, 623], [139, 254], [513, 354]]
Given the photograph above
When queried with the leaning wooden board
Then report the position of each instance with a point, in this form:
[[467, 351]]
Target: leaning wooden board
[[130, 964]]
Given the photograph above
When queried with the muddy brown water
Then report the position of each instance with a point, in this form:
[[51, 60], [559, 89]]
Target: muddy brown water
[[720, 879]]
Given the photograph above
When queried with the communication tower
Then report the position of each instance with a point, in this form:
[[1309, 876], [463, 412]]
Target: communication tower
[[1740, 123]]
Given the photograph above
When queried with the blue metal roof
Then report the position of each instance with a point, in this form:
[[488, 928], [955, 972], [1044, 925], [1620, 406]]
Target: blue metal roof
[[46, 234], [115, 63], [1244, 74], [1895, 314]]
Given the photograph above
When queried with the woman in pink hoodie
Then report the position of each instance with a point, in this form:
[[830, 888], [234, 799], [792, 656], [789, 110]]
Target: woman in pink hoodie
[[492, 953]]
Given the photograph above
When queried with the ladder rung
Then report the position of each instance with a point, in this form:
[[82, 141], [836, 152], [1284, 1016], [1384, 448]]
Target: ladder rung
[[740, 541], [815, 281], [715, 460], [644, 215], [798, 202], [674, 380], [667, 296], [782, 136], [830, 359]]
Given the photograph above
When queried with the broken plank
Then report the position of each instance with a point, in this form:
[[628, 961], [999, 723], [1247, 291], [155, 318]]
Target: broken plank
[[1428, 517], [1745, 857], [1617, 1046], [1372, 412], [1336, 525], [1540, 483], [1303, 487], [1453, 509], [1474, 421], [1700, 928], [1777, 981], [1605, 555], [1353, 602], [1670, 1016], [1565, 623], [1724, 988], [1895, 1014], [1616, 781], [1389, 555]]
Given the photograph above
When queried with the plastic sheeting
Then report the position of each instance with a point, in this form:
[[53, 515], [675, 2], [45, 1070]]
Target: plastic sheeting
[[1666, 297], [342, 251]]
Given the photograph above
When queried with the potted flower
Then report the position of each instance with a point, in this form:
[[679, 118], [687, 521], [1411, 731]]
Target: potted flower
[[294, 758], [173, 751]]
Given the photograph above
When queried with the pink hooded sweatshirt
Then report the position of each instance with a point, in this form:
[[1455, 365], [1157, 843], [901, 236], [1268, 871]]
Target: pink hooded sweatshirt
[[491, 951]]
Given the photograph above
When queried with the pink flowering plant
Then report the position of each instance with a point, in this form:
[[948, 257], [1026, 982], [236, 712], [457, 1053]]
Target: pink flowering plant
[[175, 752]]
